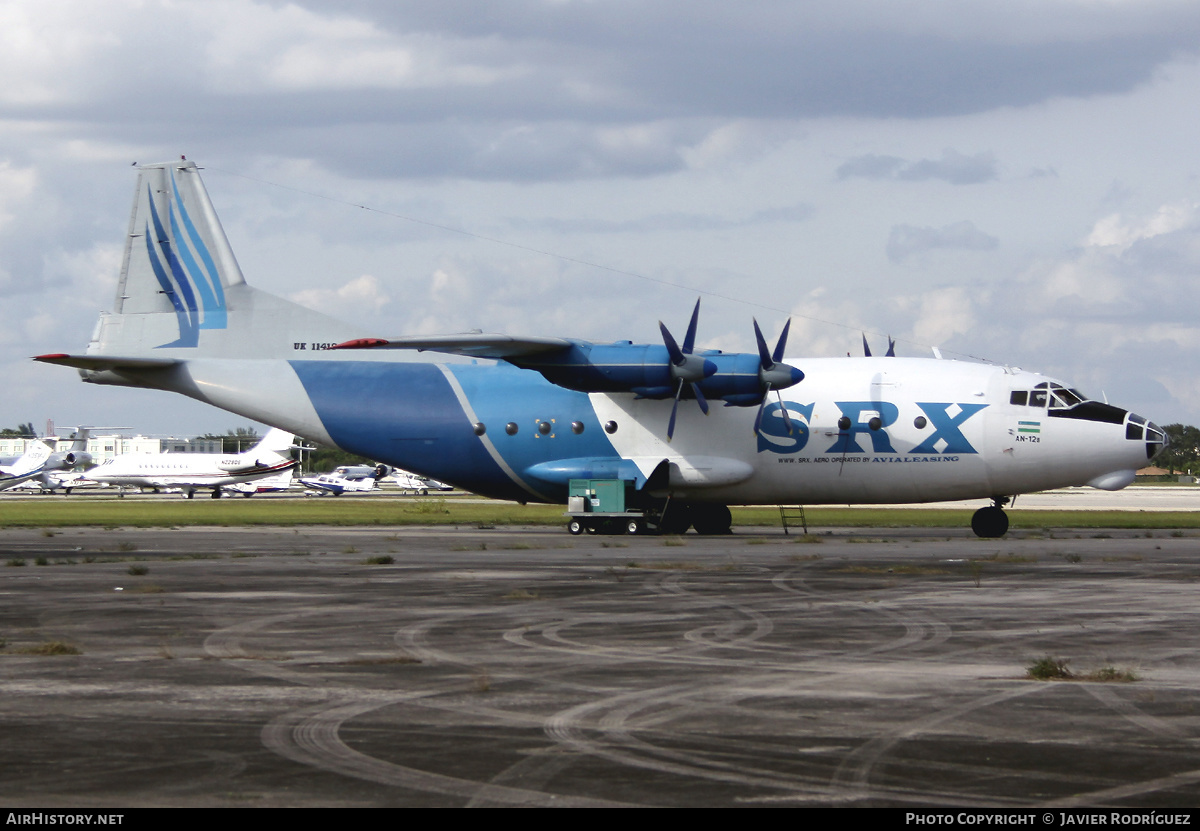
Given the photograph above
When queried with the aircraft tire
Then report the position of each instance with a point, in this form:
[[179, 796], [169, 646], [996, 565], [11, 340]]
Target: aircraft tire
[[191, 494], [676, 520], [712, 519], [216, 494], [575, 527], [990, 522]]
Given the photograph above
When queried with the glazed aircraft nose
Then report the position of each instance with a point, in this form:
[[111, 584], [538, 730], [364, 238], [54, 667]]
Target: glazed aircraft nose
[[1139, 429]]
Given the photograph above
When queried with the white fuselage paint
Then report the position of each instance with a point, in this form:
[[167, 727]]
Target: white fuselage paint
[[1001, 460]]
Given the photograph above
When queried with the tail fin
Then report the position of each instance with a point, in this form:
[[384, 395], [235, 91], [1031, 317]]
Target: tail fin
[[275, 441], [33, 460], [181, 293], [80, 443]]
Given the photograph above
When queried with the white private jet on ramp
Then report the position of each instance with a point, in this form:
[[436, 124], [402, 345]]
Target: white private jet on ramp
[[30, 465], [193, 471]]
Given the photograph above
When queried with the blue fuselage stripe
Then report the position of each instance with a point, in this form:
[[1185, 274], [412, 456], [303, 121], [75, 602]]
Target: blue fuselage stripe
[[408, 415]]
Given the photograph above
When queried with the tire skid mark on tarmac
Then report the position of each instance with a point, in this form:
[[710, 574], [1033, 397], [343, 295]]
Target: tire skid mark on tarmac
[[921, 628], [1110, 796], [311, 737], [605, 728], [414, 638], [1134, 714], [720, 635], [535, 770], [918, 630], [854, 773], [616, 744], [1131, 712]]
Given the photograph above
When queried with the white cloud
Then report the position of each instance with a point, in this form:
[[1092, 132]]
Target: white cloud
[[942, 314], [354, 299], [1121, 232]]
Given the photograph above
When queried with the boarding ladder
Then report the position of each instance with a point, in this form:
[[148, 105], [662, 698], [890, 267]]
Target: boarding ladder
[[793, 515]]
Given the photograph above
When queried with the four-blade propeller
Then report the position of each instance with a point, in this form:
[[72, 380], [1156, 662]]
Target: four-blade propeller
[[686, 368], [773, 374], [726, 375]]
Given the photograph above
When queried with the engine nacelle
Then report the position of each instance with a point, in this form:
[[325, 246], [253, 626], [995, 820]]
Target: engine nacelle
[[645, 369], [66, 461]]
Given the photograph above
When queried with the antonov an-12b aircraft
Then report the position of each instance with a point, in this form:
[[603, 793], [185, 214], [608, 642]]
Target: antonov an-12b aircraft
[[192, 471], [689, 431]]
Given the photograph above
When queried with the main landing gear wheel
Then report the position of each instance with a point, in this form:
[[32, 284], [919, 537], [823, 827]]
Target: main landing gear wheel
[[990, 522], [676, 519], [712, 519]]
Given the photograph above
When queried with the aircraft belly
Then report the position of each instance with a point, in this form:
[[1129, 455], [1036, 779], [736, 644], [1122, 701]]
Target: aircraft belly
[[264, 390], [865, 479]]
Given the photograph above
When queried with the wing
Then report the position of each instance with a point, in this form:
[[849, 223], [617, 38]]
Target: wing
[[476, 345]]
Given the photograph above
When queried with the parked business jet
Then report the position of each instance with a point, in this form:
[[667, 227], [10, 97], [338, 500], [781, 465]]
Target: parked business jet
[[53, 468], [193, 471], [30, 465], [531, 414]]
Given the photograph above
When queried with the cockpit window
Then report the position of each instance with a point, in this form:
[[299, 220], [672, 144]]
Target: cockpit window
[[1063, 398], [1056, 396]]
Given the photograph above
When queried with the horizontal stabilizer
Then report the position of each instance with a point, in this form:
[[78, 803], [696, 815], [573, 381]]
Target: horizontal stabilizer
[[105, 363]]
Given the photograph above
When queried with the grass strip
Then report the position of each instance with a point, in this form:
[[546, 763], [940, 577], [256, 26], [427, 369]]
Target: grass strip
[[135, 513]]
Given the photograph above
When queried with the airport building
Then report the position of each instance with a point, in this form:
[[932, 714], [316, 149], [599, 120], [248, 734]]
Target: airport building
[[103, 448]]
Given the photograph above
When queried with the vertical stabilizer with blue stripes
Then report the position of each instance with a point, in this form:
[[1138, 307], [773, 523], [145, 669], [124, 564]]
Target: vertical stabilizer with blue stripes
[[177, 259], [181, 293]]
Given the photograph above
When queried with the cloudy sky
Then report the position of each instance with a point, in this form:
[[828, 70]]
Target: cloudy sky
[[1006, 180]]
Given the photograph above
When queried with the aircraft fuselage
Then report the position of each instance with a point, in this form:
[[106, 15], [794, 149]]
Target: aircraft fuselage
[[864, 430]]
